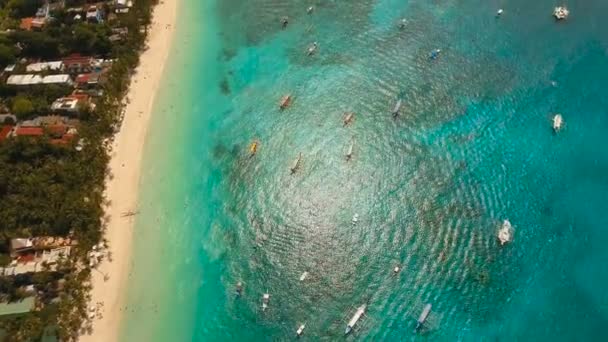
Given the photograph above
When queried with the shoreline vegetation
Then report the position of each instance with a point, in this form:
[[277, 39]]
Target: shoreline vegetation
[[55, 156]]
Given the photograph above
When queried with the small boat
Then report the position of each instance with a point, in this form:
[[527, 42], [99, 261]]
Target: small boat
[[355, 219], [310, 9], [349, 153], [265, 300], [253, 148], [397, 108], [558, 122], [296, 164], [312, 48], [423, 316], [285, 101], [505, 233], [561, 13], [499, 12], [353, 321], [239, 289], [284, 22], [303, 276], [348, 118], [402, 24], [435, 54], [396, 270], [300, 330]]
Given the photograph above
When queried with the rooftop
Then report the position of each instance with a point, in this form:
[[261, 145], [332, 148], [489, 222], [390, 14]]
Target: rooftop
[[4, 131], [17, 308], [45, 66]]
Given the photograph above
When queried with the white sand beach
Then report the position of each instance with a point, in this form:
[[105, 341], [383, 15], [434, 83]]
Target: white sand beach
[[122, 190]]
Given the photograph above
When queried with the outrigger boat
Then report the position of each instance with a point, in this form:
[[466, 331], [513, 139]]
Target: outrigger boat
[[239, 289], [253, 148], [397, 108], [296, 164], [435, 54], [558, 122], [561, 12], [356, 317], [423, 316], [505, 233], [265, 300], [285, 101], [349, 154], [312, 48], [300, 330], [348, 118]]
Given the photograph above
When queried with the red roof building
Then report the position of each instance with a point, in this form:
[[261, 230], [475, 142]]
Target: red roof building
[[76, 64], [29, 131], [5, 131]]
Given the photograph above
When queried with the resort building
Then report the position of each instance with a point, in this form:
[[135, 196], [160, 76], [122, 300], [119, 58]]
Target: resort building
[[30, 79], [94, 15], [56, 66]]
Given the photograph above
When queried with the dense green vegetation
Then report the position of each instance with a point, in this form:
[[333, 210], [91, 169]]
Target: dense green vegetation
[[55, 190]]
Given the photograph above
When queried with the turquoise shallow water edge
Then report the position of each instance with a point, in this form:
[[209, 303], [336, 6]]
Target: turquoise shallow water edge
[[473, 146]]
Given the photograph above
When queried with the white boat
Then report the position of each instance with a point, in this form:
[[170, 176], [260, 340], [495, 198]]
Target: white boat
[[303, 276], [561, 12], [423, 316], [356, 317], [300, 330], [402, 24], [397, 108], [355, 219], [312, 48], [499, 12], [505, 233], [348, 118], [349, 153], [296, 164], [558, 122], [265, 300], [310, 9], [239, 289], [396, 269]]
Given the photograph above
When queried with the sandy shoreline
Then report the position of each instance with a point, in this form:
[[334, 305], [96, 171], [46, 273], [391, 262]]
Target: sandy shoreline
[[122, 190]]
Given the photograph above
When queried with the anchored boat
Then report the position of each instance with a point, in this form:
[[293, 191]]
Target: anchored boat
[[505, 233], [349, 153], [300, 330], [397, 108], [558, 122], [239, 289], [435, 54], [348, 118], [284, 22], [561, 13], [356, 317], [253, 148], [296, 164], [303, 276], [265, 301], [312, 48], [423, 316], [285, 101]]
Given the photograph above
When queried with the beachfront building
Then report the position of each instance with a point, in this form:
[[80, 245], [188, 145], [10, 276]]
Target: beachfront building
[[32, 79], [122, 6], [78, 64], [31, 255], [94, 15], [55, 66], [16, 309]]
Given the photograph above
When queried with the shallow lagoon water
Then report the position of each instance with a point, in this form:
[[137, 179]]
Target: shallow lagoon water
[[472, 146]]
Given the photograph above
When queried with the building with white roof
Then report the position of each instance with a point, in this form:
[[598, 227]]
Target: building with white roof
[[45, 66], [29, 79]]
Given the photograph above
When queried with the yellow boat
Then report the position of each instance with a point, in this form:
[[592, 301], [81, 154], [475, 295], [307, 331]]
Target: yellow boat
[[253, 148]]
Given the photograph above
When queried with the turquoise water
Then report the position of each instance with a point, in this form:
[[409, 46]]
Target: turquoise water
[[473, 146]]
